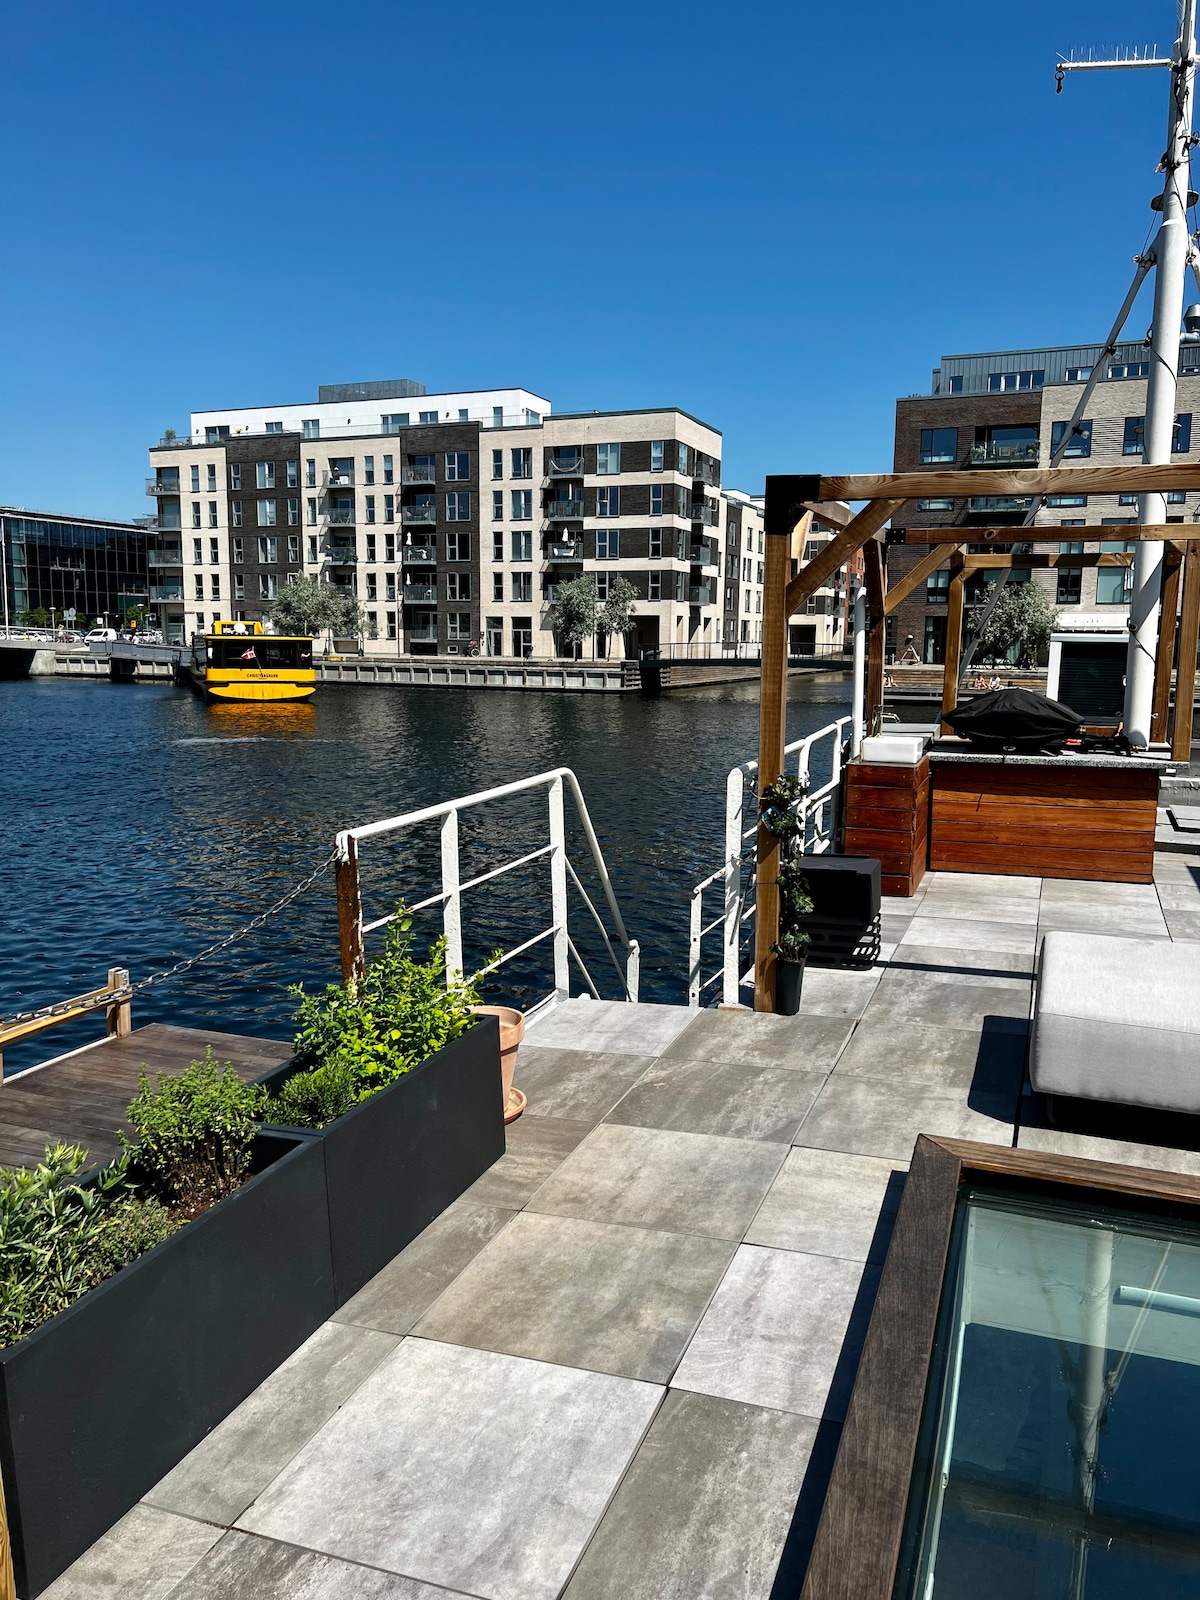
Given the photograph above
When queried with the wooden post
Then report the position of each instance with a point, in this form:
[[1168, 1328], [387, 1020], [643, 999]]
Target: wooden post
[[119, 1015], [874, 580], [954, 638], [1185, 674], [8, 1585], [1165, 654], [782, 514], [349, 906]]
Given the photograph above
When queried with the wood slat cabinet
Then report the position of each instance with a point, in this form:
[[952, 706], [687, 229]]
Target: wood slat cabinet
[[1060, 820], [887, 816]]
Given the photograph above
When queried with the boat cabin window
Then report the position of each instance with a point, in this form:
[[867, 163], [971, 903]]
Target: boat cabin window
[[260, 653]]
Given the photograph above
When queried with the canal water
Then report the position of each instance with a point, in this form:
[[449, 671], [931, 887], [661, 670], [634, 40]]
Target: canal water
[[141, 825]]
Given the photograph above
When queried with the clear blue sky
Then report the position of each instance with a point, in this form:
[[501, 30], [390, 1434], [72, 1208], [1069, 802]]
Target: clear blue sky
[[775, 216]]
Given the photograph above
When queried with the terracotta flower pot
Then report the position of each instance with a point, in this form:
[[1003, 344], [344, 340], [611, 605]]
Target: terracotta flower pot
[[512, 1031]]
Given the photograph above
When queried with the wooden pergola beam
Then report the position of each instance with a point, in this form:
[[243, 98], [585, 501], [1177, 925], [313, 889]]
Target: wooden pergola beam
[[1047, 534], [1043, 559], [914, 579], [991, 481], [837, 552], [954, 637], [1185, 674], [874, 582], [836, 512]]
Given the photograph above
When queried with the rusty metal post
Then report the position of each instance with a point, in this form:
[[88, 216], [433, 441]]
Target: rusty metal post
[[349, 908]]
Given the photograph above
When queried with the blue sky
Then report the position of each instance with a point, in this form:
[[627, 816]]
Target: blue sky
[[775, 216]]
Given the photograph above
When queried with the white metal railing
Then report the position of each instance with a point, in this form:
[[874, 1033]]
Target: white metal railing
[[562, 876], [815, 810]]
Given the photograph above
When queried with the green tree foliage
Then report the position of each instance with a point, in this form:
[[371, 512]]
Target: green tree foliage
[[575, 611], [1020, 625], [358, 1037], [617, 611], [309, 607]]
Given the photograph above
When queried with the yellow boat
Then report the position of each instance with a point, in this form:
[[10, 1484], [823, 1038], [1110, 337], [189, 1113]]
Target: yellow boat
[[240, 661]]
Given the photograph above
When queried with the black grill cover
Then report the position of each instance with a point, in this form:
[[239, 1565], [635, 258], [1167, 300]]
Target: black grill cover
[[1013, 719]]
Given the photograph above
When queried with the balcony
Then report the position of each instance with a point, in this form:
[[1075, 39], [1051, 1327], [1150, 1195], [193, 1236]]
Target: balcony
[[423, 511], [703, 511], [417, 555], [166, 591], [564, 550], [425, 633], [1004, 455], [416, 475], [700, 594], [343, 555], [419, 594], [704, 472], [164, 555], [340, 519], [1000, 502], [565, 510], [340, 480], [550, 593], [162, 485], [702, 553], [567, 469]]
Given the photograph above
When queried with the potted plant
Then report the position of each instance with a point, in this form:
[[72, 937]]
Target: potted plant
[[401, 1079], [791, 947], [140, 1303], [512, 1031]]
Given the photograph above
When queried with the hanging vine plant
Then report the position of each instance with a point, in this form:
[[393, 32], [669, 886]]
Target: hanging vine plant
[[777, 805]]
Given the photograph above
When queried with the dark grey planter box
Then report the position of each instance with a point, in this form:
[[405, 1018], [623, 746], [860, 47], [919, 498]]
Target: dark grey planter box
[[396, 1161], [102, 1400]]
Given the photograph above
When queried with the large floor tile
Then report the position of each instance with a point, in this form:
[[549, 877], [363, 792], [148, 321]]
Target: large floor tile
[[587, 1294], [246, 1567], [987, 1059], [995, 883], [1083, 916], [580, 1085], [810, 1043], [535, 1146], [839, 991], [410, 1283], [749, 1100], [142, 1557], [1096, 893], [608, 1025], [942, 1000], [773, 1335], [219, 1478], [483, 1473], [705, 1508], [969, 965], [827, 1203], [1179, 895], [654, 1178], [1058, 1141], [964, 933], [1184, 925], [863, 1116]]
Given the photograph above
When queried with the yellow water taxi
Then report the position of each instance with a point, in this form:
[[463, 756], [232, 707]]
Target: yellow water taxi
[[240, 661]]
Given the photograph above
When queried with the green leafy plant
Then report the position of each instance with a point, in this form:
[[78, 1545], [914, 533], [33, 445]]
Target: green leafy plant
[[575, 611], [128, 1230], [1019, 627], [795, 904], [194, 1132], [616, 614], [356, 1038], [777, 805], [308, 607]]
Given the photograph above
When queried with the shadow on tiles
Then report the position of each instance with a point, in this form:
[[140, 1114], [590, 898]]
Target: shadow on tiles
[[999, 1064]]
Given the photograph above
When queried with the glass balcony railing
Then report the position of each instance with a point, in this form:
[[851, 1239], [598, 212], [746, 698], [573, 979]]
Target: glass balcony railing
[[416, 555], [340, 480], [1002, 454], [423, 635], [416, 475], [564, 510], [162, 485], [343, 555], [419, 594], [702, 554], [166, 591], [164, 555], [703, 512], [340, 518], [564, 550], [1000, 502], [700, 594], [423, 511], [571, 467]]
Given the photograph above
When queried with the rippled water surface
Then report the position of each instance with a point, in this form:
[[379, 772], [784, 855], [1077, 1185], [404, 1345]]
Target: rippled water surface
[[140, 825]]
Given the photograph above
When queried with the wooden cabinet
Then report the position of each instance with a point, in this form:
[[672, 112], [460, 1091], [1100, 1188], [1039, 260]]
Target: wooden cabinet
[[887, 816]]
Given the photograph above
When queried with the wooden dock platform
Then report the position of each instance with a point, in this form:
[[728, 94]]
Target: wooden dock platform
[[81, 1098]]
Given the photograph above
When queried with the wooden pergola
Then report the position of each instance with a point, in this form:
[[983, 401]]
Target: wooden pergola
[[792, 499]]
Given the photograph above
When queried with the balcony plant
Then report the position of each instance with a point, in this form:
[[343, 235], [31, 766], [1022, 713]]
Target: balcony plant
[[780, 815]]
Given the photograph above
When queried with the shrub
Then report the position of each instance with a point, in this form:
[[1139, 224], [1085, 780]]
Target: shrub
[[194, 1132], [795, 904], [128, 1230], [356, 1038]]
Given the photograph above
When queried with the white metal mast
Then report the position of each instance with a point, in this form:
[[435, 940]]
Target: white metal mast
[[1170, 252]]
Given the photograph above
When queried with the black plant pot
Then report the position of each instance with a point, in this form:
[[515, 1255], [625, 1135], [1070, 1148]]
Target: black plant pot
[[395, 1162], [107, 1396], [789, 980]]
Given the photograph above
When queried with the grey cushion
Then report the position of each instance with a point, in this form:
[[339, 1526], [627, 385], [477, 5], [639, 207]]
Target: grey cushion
[[1118, 1019]]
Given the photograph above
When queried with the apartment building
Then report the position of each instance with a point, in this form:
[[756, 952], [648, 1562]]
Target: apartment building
[[1010, 408]]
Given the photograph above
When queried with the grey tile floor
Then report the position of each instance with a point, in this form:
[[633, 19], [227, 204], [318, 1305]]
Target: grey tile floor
[[606, 1370]]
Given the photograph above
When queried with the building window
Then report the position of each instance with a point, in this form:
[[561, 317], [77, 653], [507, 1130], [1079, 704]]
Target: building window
[[1127, 499], [428, 416], [498, 463], [608, 544], [239, 586], [389, 471], [1129, 369], [608, 458], [497, 586], [954, 385], [1181, 439], [310, 427], [1135, 436], [370, 507], [656, 500], [458, 547], [310, 474], [458, 466], [293, 474], [498, 546], [293, 549], [929, 505], [656, 548], [268, 551], [198, 582], [274, 427], [264, 474], [522, 505], [392, 423], [656, 454], [371, 547], [458, 586], [1078, 374], [390, 618], [681, 458], [458, 506], [1006, 382], [212, 513], [654, 586], [268, 586], [237, 549], [389, 580], [1070, 547], [1114, 585], [368, 469], [266, 513], [1070, 586], [522, 463], [235, 513], [389, 547], [458, 624], [522, 545], [293, 506], [195, 480], [1066, 499], [214, 552], [497, 505], [214, 586], [495, 636], [196, 514], [312, 549], [1080, 442], [197, 551], [1072, 522], [1176, 497], [312, 510], [389, 508], [522, 587], [372, 586], [937, 587], [608, 501], [938, 444]]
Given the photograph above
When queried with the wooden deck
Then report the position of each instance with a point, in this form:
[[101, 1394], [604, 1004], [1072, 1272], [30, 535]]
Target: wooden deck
[[81, 1098]]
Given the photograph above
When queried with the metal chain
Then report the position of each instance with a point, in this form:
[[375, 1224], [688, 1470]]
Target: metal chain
[[64, 1006]]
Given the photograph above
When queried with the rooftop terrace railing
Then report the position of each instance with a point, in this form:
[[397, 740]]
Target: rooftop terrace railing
[[449, 898]]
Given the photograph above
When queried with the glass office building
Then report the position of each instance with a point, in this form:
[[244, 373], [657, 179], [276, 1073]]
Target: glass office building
[[59, 564]]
